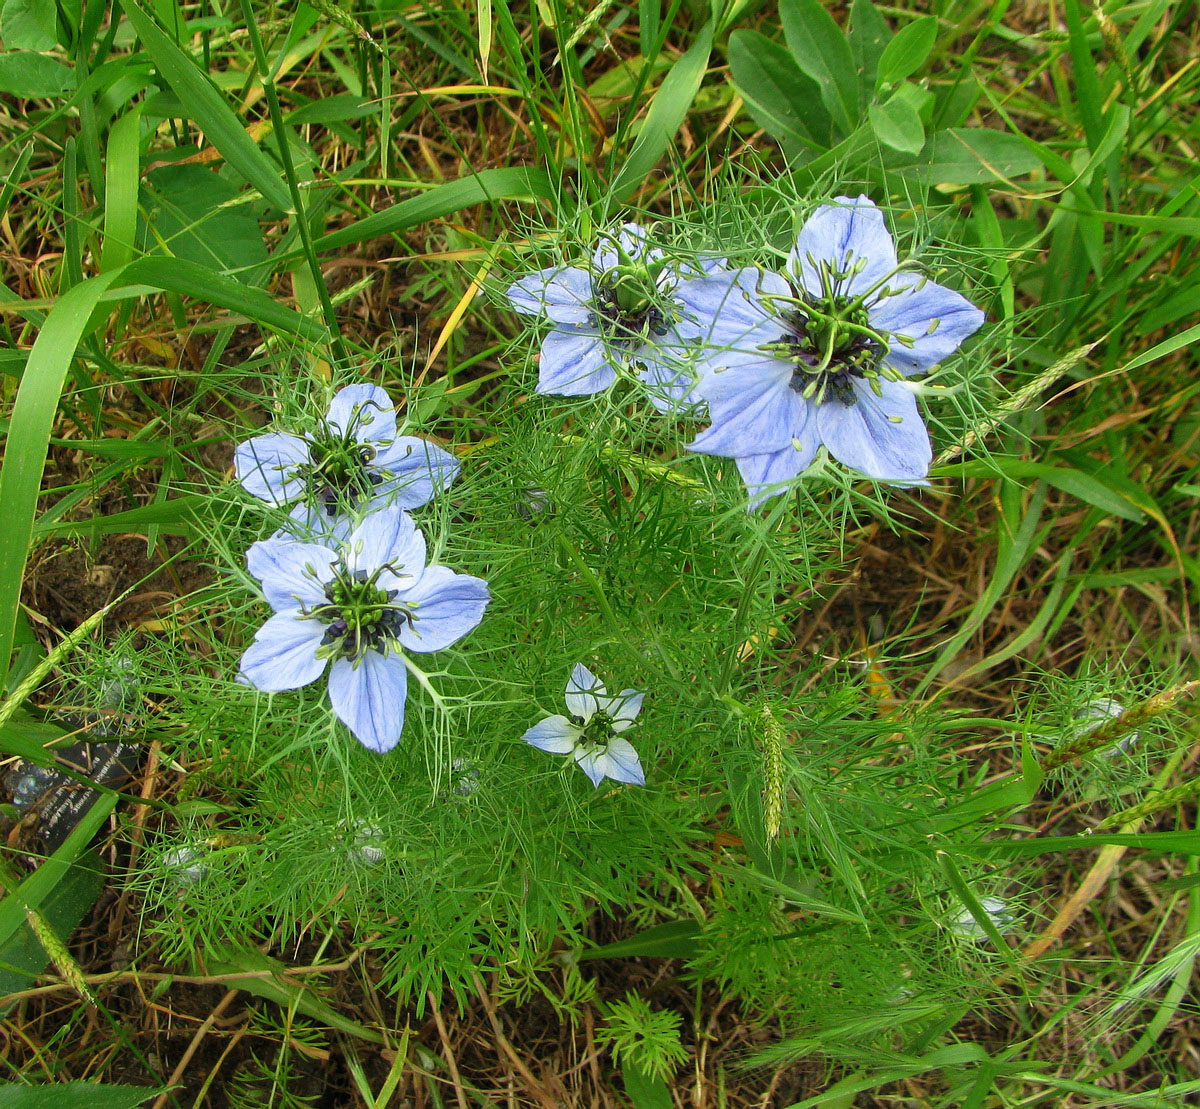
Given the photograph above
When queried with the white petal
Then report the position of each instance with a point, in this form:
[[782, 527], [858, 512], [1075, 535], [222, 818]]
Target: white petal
[[555, 734], [583, 687], [562, 294], [850, 238], [882, 436], [574, 363], [591, 764], [623, 708], [445, 607], [414, 471], [621, 763], [387, 537]]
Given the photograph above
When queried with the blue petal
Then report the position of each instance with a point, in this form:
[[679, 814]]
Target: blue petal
[[762, 414], [365, 412], [445, 605], [632, 238], [284, 653], [418, 470], [309, 523], [850, 237], [925, 322], [387, 538], [881, 436], [293, 575], [767, 475], [621, 763], [669, 378], [574, 364], [731, 310], [555, 734], [560, 293], [268, 466], [583, 687], [368, 697]]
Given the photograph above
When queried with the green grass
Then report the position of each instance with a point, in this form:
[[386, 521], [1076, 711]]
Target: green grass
[[852, 692]]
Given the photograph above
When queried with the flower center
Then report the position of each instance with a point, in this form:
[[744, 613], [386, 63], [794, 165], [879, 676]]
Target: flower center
[[627, 302], [830, 343], [597, 732], [359, 615], [339, 473]]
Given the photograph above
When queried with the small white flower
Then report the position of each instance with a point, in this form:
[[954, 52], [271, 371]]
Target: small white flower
[[1095, 714], [589, 732], [366, 844], [185, 864], [966, 924]]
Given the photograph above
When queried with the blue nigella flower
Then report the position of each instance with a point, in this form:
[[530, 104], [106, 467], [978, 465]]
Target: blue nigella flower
[[353, 607], [618, 312], [589, 732], [355, 461], [820, 355]]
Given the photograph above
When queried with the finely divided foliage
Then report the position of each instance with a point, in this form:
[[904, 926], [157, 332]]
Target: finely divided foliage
[[730, 369]]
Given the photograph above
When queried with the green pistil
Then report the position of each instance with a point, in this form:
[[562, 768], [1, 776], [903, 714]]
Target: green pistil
[[830, 343], [359, 615], [597, 732], [627, 299], [337, 472]]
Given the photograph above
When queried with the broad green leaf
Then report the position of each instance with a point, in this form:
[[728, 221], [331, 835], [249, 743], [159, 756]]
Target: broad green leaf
[[644, 1090], [782, 100], [209, 109], [75, 1095], [122, 178], [1098, 488], [25, 451], [517, 183], [29, 24], [1186, 843], [677, 939], [34, 890], [821, 51], [971, 155], [333, 109], [26, 74], [666, 115], [869, 35], [897, 125], [22, 957], [188, 214], [906, 53], [175, 516], [284, 992]]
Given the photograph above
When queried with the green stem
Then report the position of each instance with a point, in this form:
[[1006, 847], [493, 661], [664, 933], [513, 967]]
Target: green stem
[[739, 616], [289, 172]]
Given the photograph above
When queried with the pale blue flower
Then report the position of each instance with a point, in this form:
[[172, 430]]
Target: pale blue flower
[[354, 606], [819, 356], [616, 313], [964, 923], [355, 461], [589, 731]]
